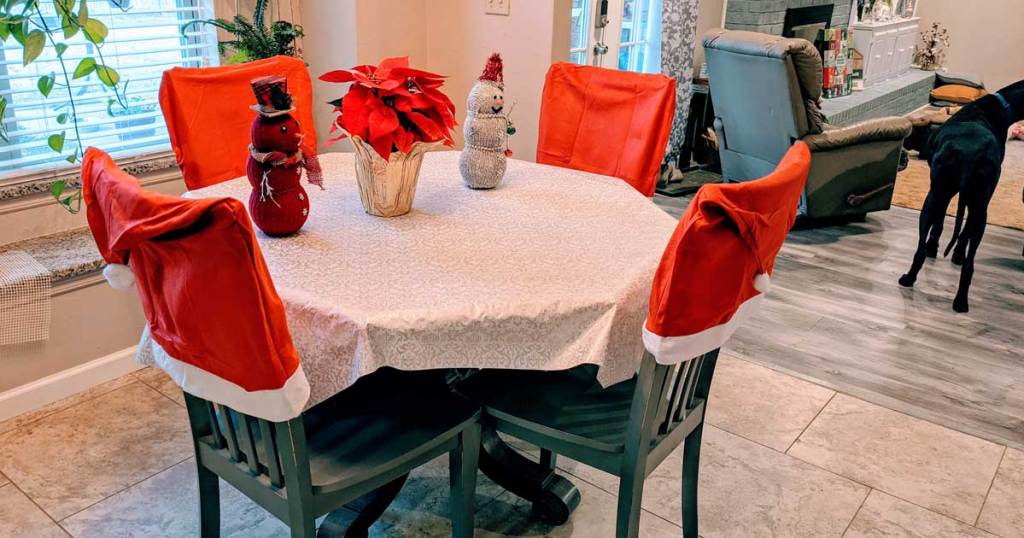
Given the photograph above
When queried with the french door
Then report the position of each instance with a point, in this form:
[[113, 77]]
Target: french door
[[617, 34]]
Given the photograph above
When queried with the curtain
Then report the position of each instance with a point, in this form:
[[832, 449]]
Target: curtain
[[678, 40]]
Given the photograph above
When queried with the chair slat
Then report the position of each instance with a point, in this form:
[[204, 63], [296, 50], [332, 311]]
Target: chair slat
[[270, 449], [229, 434], [672, 417], [693, 377], [218, 437], [252, 458]]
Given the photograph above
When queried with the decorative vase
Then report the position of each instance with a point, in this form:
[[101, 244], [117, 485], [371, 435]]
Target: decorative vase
[[386, 188]]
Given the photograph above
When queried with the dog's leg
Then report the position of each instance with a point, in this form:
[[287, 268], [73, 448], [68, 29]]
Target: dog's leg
[[942, 201], [924, 225], [975, 230]]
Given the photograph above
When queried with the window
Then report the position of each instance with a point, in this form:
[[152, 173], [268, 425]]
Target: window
[[579, 48], [144, 40], [640, 42]]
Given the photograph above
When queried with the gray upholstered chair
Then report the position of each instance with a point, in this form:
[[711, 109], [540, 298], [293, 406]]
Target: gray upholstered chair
[[766, 89]]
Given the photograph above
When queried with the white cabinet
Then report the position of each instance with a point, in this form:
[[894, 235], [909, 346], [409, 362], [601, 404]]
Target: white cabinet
[[887, 47]]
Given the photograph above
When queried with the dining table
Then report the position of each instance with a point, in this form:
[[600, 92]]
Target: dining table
[[550, 270]]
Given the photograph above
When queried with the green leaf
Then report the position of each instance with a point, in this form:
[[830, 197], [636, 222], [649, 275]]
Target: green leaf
[[56, 142], [95, 31], [108, 75], [45, 84], [57, 188], [18, 31], [85, 66], [3, 112], [62, 118], [83, 13], [5, 31], [70, 28], [60, 48], [34, 43], [73, 158]]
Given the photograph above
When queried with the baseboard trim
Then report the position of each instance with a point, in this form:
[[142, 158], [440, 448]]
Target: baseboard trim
[[54, 387]]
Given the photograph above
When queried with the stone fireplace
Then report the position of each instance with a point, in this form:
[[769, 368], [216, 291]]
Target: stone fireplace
[[769, 16]]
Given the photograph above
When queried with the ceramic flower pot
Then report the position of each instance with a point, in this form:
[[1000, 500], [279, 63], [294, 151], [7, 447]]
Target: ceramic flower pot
[[386, 188]]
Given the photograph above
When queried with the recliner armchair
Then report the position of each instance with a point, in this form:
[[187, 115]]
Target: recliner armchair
[[766, 91]]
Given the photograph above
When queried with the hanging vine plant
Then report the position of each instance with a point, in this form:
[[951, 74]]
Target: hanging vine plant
[[26, 23], [254, 39]]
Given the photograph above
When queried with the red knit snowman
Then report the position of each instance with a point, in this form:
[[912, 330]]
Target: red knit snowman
[[278, 203]]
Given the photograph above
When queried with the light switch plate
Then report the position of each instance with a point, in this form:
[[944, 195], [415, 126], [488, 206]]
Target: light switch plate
[[497, 7]]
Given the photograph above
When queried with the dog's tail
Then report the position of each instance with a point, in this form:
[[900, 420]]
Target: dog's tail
[[960, 205]]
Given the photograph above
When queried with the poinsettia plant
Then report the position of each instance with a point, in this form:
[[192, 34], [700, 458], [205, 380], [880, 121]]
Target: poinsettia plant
[[392, 106]]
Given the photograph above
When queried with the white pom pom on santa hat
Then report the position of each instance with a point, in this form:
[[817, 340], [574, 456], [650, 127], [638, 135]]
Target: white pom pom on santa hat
[[119, 276], [762, 282]]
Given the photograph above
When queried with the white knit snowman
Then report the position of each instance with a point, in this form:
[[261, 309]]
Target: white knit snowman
[[486, 130]]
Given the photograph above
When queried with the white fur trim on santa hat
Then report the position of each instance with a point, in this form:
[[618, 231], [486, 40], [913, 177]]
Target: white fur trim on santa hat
[[762, 282], [119, 276], [677, 349], [275, 405]]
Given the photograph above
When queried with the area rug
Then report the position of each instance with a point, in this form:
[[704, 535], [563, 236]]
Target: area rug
[[1006, 208]]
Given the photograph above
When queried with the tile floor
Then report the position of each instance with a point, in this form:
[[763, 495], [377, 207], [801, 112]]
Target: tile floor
[[781, 457]]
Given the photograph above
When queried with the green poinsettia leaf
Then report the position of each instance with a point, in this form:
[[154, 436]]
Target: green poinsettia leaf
[[33, 47], [108, 75], [58, 188], [95, 31], [56, 142], [45, 84], [85, 67]]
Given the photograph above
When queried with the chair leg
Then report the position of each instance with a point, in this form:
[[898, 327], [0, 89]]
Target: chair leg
[[209, 503], [303, 528], [463, 463], [631, 491], [691, 477], [548, 459]]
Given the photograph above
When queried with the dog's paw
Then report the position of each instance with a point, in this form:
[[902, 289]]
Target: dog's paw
[[907, 281], [960, 305]]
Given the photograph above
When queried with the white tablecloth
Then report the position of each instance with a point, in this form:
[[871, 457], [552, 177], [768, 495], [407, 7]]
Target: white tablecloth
[[549, 271]]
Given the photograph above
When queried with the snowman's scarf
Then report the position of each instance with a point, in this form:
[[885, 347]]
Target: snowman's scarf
[[314, 174]]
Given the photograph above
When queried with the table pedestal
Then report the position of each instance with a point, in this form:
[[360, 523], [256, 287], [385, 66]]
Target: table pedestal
[[354, 520], [553, 497]]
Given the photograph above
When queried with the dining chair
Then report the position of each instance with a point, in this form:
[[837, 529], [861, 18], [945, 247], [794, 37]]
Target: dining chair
[[218, 328], [711, 278], [208, 116], [609, 122]]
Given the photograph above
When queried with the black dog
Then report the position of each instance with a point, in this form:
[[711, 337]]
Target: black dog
[[966, 157]]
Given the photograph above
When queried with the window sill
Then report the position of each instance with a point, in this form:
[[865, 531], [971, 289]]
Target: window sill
[[40, 182]]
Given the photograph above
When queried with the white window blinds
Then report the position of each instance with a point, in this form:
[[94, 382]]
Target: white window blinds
[[144, 39]]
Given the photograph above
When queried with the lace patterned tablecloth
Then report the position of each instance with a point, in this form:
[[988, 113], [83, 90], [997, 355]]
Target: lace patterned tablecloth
[[549, 271]]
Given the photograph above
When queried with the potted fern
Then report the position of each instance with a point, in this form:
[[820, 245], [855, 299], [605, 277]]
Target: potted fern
[[254, 39]]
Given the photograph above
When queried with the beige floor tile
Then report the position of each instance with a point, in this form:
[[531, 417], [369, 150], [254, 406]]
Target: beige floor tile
[[166, 505], [1003, 513], [45, 411], [159, 380], [19, 518], [885, 515], [761, 404], [749, 490], [78, 456], [935, 467]]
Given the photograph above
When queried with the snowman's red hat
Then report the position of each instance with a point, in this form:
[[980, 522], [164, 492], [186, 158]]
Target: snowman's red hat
[[272, 97], [493, 71]]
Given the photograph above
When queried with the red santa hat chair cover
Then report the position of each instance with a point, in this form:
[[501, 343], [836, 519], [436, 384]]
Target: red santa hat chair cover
[[208, 117], [717, 264], [205, 289], [606, 121]]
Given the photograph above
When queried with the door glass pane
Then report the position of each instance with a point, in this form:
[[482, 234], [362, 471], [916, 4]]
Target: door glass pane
[[580, 31], [640, 39]]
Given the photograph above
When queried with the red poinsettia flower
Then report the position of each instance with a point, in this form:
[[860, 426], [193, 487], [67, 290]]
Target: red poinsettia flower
[[392, 106]]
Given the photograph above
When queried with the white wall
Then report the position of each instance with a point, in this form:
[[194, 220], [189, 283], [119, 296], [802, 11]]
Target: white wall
[[450, 37], [986, 38]]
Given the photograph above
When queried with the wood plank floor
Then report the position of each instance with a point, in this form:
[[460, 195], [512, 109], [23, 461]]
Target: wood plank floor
[[835, 315]]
